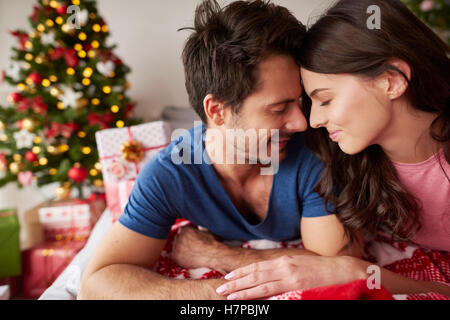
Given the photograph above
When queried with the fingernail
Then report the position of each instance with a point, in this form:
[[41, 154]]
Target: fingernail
[[222, 289], [229, 276], [232, 296]]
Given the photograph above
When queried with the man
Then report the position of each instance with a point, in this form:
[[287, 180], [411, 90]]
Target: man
[[241, 73]]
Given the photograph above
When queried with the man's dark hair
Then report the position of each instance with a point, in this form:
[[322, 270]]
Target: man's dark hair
[[222, 54]]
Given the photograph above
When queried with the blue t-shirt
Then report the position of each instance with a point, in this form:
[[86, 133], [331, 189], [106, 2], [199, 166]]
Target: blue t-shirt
[[166, 191]]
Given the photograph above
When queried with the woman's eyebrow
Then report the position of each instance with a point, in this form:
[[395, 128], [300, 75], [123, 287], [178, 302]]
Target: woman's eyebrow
[[317, 91]]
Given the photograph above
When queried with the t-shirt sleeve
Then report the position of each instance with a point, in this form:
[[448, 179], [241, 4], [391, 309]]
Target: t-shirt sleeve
[[310, 173], [151, 208]]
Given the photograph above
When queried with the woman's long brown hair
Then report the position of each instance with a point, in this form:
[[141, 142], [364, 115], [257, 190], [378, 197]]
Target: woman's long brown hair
[[364, 189]]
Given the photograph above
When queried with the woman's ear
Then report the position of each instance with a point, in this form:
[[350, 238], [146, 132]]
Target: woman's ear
[[397, 84], [214, 110]]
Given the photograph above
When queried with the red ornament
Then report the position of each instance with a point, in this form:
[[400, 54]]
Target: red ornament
[[61, 9], [16, 97], [35, 77], [31, 157], [77, 174]]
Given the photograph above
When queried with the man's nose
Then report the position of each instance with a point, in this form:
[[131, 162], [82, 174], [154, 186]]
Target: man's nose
[[296, 121]]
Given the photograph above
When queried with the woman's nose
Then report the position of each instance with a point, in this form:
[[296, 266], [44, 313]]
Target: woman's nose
[[317, 118]]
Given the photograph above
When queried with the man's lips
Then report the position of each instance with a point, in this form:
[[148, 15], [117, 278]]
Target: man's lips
[[281, 142]]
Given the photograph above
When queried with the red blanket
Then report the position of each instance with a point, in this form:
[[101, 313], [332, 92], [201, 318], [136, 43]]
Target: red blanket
[[405, 259]]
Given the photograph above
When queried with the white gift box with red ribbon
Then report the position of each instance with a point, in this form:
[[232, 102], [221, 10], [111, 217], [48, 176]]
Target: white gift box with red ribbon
[[71, 218], [119, 172]]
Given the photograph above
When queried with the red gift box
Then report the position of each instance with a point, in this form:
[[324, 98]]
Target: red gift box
[[13, 283], [70, 218], [43, 265]]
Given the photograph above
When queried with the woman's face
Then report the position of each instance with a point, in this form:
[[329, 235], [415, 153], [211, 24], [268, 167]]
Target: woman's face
[[355, 112]]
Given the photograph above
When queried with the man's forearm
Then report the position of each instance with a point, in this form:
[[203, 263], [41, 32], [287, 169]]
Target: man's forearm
[[128, 282], [232, 258]]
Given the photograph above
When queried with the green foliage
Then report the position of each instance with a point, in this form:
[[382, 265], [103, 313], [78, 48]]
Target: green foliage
[[436, 13]]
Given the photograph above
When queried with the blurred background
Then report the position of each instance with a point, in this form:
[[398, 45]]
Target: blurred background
[[148, 42]]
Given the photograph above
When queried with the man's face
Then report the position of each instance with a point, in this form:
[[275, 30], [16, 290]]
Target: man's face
[[275, 106]]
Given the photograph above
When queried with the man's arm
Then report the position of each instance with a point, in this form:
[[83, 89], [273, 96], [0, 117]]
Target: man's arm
[[321, 236], [120, 269]]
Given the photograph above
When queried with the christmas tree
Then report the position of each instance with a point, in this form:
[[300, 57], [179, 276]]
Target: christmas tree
[[436, 13], [69, 84]]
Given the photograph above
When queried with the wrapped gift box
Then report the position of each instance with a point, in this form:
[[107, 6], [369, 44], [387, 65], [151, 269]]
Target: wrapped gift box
[[13, 284], [70, 218], [43, 264], [123, 153], [118, 194], [10, 260]]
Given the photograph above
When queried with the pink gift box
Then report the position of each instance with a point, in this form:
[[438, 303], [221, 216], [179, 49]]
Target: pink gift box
[[120, 174], [73, 218]]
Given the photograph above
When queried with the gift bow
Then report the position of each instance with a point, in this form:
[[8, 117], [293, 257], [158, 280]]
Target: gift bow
[[138, 150], [70, 55], [22, 36], [103, 120], [64, 130], [36, 103]]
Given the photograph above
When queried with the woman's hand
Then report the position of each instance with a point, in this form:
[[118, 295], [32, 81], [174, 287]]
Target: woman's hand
[[288, 273]]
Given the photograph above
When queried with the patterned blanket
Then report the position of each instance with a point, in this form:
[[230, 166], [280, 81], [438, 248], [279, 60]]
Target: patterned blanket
[[402, 258]]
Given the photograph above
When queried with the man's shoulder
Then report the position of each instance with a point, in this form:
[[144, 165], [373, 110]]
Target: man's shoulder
[[176, 157], [299, 154]]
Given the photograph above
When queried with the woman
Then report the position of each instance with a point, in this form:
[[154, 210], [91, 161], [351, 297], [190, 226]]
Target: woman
[[380, 99]]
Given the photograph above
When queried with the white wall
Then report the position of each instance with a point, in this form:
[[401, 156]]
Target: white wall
[[148, 41]]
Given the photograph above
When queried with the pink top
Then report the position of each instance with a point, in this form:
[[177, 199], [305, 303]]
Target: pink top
[[427, 182]]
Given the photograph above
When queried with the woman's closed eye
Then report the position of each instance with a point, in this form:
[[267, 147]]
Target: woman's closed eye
[[326, 103]]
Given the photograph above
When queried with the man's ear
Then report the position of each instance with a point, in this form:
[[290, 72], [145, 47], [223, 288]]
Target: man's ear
[[214, 110], [396, 82]]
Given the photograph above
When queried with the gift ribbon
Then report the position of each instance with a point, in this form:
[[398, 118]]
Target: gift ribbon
[[130, 135]]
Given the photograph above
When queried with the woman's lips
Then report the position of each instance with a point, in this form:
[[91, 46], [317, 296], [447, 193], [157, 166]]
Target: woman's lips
[[334, 135]]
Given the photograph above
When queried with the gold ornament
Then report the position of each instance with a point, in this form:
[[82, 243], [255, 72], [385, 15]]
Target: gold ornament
[[17, 158], [92, 54], [81, 103], [2, 126], [132, 151], [55, 92], [98, 183], [63, 148], [54, 151], [63, 192], [15, 167], [28, 124]]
